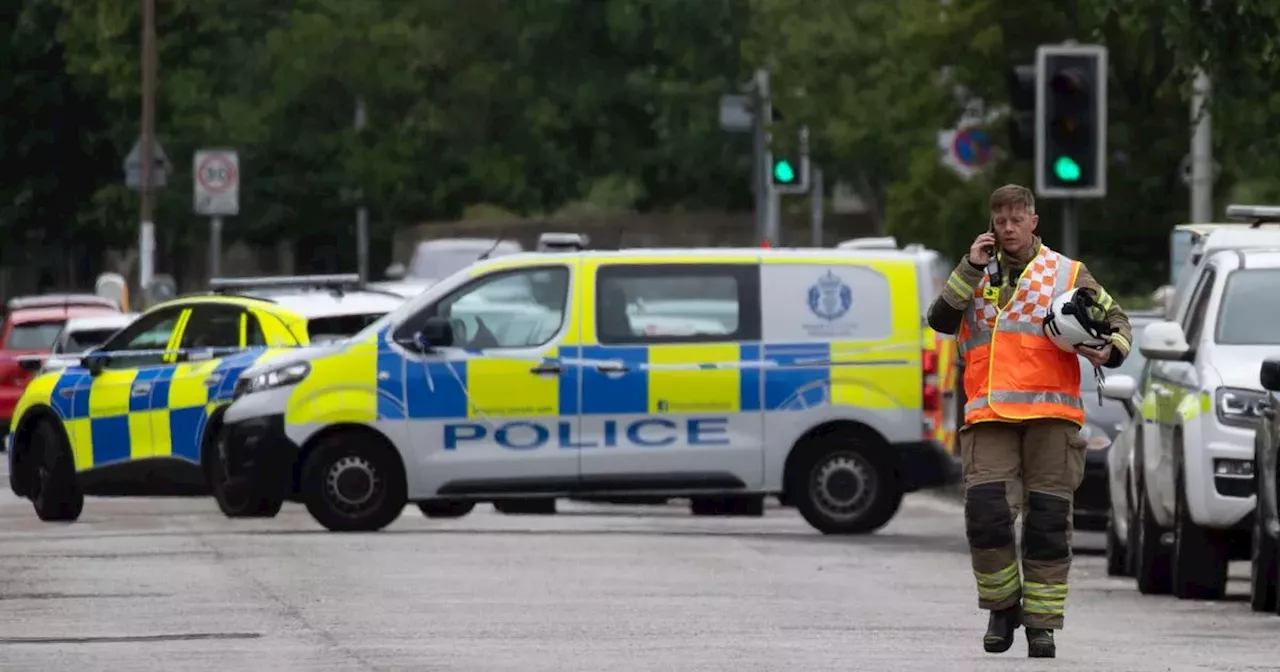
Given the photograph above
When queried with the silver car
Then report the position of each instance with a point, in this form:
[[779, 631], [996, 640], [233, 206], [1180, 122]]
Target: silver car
[[1122, 386]]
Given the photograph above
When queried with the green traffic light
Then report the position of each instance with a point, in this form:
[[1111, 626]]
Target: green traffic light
[[783, 172], [1066, 169]]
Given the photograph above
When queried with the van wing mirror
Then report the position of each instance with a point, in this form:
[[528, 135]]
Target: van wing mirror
[[1164, 341]]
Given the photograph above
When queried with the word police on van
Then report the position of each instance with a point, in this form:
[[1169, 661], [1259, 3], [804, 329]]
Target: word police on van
[[716, 374]]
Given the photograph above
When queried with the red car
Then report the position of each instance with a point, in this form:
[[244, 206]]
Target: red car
[[31, 323]]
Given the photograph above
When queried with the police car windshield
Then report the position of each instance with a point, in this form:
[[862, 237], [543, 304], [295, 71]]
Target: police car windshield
[[1250, 303]]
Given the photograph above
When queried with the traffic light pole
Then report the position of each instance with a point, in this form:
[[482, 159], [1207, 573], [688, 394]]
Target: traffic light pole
[[1070, 228], [762, 108]]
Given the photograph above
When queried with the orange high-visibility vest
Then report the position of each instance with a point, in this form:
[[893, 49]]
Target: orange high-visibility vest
[[1012, 370]]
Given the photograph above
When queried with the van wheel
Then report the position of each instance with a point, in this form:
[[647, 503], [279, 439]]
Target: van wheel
[[446, 509], [353, 484], [845, 483], [541, 506], [53, 489], [1151, 557], [1199, 554]]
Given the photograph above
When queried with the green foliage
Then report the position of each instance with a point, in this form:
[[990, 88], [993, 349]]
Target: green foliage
[[498, 108]]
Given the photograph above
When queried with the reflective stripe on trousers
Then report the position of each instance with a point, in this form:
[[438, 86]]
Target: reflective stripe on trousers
[[999, 586], [1011, 397], [1047, 599]]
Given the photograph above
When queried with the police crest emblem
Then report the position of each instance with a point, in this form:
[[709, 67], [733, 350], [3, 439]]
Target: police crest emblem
[[830, 298]]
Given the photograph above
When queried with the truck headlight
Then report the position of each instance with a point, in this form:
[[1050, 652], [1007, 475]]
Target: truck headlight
[[1094, 437], [1240, 408], [291, 374]]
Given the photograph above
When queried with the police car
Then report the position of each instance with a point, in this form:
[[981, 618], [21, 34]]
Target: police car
[[812, 392], [134, 416]]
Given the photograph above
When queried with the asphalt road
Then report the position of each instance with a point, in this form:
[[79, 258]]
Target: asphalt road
[[170, 585]]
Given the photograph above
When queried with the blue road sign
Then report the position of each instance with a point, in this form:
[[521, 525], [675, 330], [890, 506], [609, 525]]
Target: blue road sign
[[972, 147]]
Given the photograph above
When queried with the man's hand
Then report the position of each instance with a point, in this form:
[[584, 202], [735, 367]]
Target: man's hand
[[1096, 356], [980, 250]]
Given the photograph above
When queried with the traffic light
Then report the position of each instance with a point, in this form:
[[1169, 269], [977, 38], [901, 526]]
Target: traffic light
[[1071, 121], [1022, 112], [789, 170]]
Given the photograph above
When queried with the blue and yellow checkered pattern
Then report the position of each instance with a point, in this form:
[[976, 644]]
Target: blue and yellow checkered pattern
[[717, 377], [108, 423]]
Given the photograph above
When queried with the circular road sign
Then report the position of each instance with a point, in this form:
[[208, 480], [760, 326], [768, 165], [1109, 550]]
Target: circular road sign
[[972, 146], [216, 173]]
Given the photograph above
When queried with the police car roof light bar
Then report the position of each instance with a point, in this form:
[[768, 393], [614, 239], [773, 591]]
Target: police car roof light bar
[[1256, 214], [60, 301], [336, 281]]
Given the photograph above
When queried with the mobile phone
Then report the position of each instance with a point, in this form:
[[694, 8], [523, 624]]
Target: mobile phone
[[993, 266]]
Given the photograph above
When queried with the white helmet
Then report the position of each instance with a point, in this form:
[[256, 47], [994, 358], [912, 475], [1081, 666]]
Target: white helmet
[[1069, 323]]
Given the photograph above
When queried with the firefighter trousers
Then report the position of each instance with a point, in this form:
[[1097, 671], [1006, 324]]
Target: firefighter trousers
[[1033, 468]]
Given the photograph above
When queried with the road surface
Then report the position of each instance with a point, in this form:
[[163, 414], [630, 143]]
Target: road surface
[[170, 585]]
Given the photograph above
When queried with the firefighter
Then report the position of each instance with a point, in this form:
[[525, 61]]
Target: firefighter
[[1020, 445]]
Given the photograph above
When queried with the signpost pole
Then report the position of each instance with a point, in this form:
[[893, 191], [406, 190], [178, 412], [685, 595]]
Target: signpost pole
[[217, 195], [215, 246], [147, 234]]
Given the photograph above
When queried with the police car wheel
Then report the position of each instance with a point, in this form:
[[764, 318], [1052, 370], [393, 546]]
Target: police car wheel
[[353, 484], [53, 489], [846, 485], [446, 509]]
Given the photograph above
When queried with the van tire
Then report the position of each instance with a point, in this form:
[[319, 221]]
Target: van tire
[[857, 462], [446, 509], [533, 506], [353, 484], [52, 483]]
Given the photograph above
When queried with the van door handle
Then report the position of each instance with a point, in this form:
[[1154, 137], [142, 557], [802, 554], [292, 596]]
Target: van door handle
[[547, 369], [141, 390], [212, 381]]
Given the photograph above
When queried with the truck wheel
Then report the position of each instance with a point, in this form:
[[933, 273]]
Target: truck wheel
[[1151, 561], [1262, 567], [845, 483], [53, 489], [352, 482], [1199, 554], [445, 509], [540, 506]]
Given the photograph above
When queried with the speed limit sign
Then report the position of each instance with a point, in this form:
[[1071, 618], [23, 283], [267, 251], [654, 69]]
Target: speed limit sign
[[217, 182]]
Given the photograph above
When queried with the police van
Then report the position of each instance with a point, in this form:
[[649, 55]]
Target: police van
[[801, 377]]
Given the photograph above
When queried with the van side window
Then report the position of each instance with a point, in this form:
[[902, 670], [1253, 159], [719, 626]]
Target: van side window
[[677, 303]]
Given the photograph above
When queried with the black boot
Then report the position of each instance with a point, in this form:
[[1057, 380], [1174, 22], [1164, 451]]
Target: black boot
[[1000, 629], [1040, 643]]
